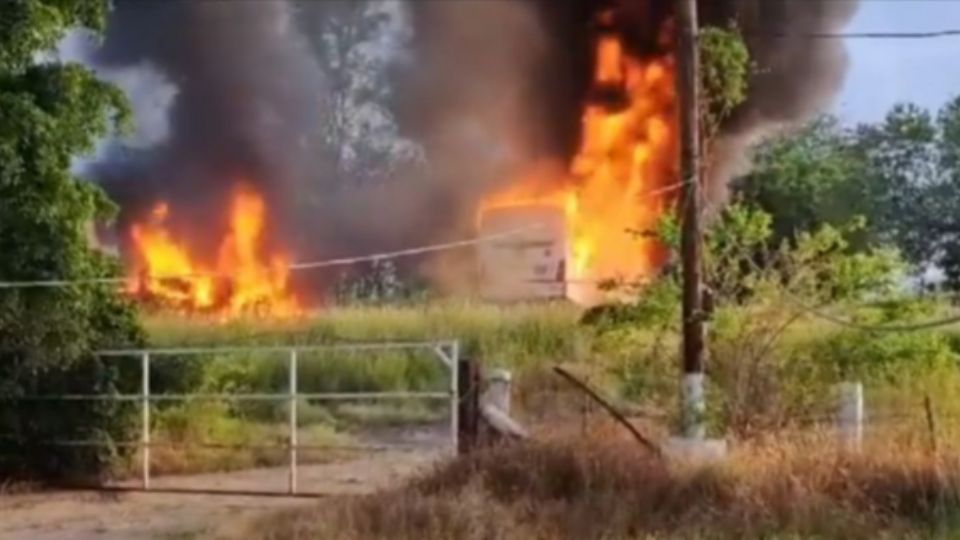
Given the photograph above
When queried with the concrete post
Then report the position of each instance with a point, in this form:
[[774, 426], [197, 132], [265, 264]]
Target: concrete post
[[498, 390], [850, 415], [145, 420], [293, 423]]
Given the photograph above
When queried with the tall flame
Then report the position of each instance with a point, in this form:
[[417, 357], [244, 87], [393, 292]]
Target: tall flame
[[624, 175], [242, 279]]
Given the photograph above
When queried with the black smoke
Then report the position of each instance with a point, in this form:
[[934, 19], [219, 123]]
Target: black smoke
[[245, 108], [796, 72]]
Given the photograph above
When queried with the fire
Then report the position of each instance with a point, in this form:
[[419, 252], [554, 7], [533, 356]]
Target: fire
[[241, 279], [624, 175]]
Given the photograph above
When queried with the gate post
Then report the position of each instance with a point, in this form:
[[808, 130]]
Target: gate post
[[292, 367], [468, 390], [455, 396], [145, 419], [850, 416]]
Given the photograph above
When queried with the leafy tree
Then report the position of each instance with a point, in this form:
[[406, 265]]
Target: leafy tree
[[725, 70], [357, 42], [900, 170], [901, 174], [806, 179], [49, 113], [763, 287]]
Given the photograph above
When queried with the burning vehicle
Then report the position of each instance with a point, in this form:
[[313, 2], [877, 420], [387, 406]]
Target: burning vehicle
[[616, 188], [527, 258]]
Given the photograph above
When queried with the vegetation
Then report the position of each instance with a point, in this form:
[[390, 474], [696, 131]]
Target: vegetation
[[49, 113], [725, 70], [607, 490], [900, 175]]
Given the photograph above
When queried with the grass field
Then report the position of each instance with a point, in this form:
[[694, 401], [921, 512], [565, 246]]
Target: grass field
[[786, 384], [521, 337]]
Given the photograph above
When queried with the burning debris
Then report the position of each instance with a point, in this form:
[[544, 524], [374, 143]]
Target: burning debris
[[241, 279]]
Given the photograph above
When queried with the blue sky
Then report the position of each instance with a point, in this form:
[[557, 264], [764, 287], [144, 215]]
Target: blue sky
[[884, 72]]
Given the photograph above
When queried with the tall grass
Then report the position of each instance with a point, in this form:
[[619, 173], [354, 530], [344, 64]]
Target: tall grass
[[519, 336], [754, 389], [601, 490], [515, 335]]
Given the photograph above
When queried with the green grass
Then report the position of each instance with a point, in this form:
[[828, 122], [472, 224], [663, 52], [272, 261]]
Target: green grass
[[749, 394], [523, 337], [515, 335], [207, 437]]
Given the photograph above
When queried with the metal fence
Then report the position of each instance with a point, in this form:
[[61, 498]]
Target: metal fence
[[447, 352]]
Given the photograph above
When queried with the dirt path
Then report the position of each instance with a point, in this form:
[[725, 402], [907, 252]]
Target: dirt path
[[116, 516]]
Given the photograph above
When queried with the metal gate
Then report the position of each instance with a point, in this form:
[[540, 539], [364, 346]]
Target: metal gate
[[447, 352]]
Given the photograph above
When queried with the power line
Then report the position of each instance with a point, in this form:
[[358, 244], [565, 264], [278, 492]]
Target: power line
[[309, 265], [880, 328], [931, 34]]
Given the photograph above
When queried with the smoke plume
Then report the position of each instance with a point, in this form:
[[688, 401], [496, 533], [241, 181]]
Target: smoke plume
[[245, 106], [796, 75]]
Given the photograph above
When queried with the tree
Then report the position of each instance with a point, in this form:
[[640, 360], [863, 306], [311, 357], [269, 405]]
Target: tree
[[49, 113], [902, 175], [357, 42], [900, 171], [807, 178]]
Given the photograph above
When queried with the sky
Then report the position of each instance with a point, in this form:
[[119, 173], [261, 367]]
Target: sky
[[884, 72]]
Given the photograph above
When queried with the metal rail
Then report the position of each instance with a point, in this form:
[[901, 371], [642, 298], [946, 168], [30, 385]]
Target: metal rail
[[333, 347], [448, 352], [315, 396]]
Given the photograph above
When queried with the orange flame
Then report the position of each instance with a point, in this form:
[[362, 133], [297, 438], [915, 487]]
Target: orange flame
[[241, 281], [624, 175]]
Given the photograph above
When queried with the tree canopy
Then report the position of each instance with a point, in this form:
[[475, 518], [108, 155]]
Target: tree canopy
[[901, 174], [51, 112]]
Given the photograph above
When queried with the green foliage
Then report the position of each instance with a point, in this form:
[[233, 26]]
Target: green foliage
[[725, 71], [763, 287], [31, 26], [378, 284], [806, 179], [50, 113], [902, 174]]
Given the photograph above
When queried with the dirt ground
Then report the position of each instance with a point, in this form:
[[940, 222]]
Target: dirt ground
[[158, 515]]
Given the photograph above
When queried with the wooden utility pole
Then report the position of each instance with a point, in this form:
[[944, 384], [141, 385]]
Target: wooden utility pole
[[688, 59]]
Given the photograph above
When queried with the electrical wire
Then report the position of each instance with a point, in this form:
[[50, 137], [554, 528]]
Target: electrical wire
[[309, 265], [932, 34], [880, 328]]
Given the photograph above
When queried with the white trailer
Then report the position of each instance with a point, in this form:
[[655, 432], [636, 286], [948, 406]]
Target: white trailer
[[528, 265]]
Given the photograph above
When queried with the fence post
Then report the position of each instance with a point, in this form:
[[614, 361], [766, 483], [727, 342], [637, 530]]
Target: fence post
[[498, 390], [455, 395], [292, 480], [468, 390], [851, 415], [145, 419]]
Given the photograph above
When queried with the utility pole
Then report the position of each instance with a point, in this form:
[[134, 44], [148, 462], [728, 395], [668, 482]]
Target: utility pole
[[688, 58]]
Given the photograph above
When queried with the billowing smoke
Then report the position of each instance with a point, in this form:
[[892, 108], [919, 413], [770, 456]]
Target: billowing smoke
[[796, 72], [391, 142], [799, 69], [245, 107]]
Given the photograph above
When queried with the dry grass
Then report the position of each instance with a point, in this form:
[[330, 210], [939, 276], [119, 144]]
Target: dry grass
[[613, 491]]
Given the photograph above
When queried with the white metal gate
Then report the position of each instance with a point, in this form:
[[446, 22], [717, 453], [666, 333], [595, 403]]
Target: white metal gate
[[447, 352]]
